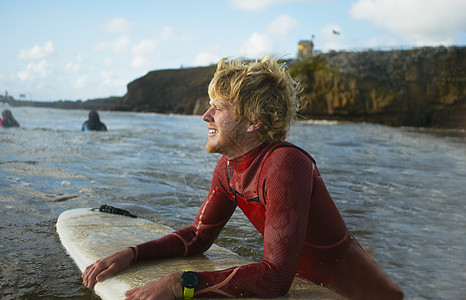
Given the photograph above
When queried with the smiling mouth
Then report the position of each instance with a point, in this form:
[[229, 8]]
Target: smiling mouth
[[212, 133]]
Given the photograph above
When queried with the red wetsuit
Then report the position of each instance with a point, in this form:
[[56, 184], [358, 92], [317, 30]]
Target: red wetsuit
[[280, 190]]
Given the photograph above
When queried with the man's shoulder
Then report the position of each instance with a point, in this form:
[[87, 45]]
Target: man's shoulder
[[288, 151], [286, 147]]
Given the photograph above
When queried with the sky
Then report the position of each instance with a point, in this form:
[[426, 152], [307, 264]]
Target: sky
[[85, 49]]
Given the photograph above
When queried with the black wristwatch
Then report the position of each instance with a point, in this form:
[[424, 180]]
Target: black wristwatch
[[189, 281]]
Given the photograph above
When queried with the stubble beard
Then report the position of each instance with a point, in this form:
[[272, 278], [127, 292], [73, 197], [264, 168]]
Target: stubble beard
[[227, 139]]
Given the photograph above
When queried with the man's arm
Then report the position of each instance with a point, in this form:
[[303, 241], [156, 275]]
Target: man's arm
[[196, 238]]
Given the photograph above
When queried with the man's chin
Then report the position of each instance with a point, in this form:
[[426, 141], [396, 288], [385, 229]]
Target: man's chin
[[214, 148], [210, 148]]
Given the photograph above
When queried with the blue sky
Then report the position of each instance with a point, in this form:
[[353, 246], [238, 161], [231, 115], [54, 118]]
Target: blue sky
[[69, 50]]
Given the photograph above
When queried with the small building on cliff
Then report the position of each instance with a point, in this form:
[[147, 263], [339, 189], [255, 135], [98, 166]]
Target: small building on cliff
[[305, 48]]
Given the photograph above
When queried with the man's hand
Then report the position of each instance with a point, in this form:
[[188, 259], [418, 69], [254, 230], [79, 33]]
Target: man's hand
[[166, 288], [104, 268]]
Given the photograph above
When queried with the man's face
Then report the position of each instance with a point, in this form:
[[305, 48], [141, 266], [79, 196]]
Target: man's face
[[225, 135]]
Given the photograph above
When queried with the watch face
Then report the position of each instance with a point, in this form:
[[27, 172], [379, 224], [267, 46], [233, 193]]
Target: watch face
[[189, 279]]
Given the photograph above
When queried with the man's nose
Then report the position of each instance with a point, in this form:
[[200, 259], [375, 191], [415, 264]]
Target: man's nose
[[207, 115]]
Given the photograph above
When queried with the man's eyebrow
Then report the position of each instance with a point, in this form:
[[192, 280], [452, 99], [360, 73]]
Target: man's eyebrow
[[216, 104]]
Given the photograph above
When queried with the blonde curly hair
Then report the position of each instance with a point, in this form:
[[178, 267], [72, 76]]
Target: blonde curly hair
[[262, 92]]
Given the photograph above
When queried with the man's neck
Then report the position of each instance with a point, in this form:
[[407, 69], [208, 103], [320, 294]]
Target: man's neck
[[244, 148]]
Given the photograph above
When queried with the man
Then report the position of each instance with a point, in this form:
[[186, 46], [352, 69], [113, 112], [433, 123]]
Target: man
[[279, 188], [93, 123], [8, 120]]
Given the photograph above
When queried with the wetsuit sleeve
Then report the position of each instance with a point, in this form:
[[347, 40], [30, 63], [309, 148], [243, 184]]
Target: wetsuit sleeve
[[287, 187], [199, 236]]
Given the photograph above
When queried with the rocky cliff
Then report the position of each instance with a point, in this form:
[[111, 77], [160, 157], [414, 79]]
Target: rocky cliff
[[418, 87], [168, 91]]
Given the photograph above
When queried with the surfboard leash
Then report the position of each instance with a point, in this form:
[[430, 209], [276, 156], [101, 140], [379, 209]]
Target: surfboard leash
[[114, 210]]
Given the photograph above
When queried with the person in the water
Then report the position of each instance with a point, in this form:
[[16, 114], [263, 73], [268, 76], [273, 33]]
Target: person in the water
[[277, 186], [93, 123], [8, 120]]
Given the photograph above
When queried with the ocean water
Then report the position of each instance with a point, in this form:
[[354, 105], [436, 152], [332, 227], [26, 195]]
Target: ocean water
[[401, 192]]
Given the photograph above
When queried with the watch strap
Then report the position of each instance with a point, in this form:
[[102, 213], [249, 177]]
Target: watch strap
[[188, 293]]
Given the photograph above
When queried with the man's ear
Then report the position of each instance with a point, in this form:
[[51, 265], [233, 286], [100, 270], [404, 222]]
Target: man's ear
[[253, 127]]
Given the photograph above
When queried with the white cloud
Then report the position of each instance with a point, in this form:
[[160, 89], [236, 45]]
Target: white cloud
[[142, 52], [419, 22], [80, 82], [117, 25], [281, 25], [109, 80], [144, 47], [145, 52], [108, 62], [117, 46], [102, 46], [261, 5], [40, 68], [207, 57], [167, 32], [120, 44], [23, 75], [255, 5], [79, 58], [74, 66], [258, 44], [34, 70], [107, 77], [37, 52], [139, 62]]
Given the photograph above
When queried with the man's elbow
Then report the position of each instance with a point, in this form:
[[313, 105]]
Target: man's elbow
[[276, 289]]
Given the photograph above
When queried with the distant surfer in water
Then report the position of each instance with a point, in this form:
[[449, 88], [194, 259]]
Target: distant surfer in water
[[278, 187], [93, 123], [8, 120]]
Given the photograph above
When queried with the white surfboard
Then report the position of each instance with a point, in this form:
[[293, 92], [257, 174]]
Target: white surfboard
[[89, 235]]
